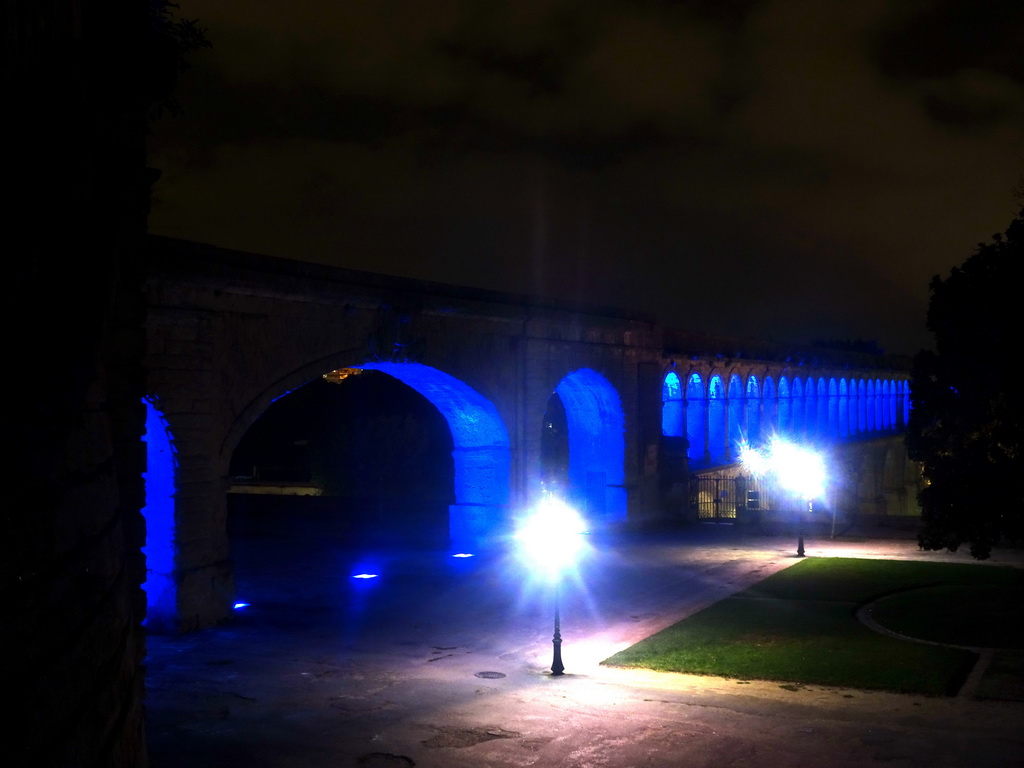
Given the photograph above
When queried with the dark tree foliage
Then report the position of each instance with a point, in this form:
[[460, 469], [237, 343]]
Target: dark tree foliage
[[967, 421], [170, 42], [184, 35]]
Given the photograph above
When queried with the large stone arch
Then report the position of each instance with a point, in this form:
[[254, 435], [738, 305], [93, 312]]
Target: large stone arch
[[175, 597], [481, 450], [596, 425]]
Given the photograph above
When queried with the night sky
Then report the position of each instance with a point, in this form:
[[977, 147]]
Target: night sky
[[788, 169]]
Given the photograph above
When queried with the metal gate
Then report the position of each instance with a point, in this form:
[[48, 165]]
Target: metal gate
[[726, 498]]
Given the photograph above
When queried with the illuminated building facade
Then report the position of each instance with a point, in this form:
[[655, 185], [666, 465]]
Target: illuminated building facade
[[231, 333]]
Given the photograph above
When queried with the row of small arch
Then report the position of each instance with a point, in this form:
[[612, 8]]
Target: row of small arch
[[716, 420]]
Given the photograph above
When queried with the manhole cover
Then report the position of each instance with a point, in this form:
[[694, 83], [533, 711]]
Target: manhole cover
[[490, 675]]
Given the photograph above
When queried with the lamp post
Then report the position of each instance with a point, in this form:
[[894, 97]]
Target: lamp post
[[557, 667], [800, 529], [550, 541], [795, 468]]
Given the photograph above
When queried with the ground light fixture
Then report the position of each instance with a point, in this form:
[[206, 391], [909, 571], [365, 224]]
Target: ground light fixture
[[794, 468], [550, 541]]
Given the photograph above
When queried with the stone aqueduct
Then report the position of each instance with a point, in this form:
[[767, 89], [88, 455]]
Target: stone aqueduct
[[229, 333]]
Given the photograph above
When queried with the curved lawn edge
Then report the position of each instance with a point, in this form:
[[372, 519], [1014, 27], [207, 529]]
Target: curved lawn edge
[[800, 625], [974, 616]]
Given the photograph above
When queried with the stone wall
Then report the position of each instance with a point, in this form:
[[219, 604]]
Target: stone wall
[[76, 88], [230, 332]]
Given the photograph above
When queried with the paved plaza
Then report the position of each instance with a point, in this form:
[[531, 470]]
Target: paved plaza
[[443, 661]]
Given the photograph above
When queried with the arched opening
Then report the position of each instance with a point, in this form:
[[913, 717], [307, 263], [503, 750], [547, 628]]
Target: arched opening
[[798, 422], [821, 425], [834, 428], [785, 426], [382, 455], [736, 415], [671, 406], [770, 408], [554, 447], [718, 444], [890, 403], [360, 460], [696, 420], [595, 422], [844, 409], [862, 406], [672, 451], [870, 406], [480, 451], [753, 393], [160, 586]]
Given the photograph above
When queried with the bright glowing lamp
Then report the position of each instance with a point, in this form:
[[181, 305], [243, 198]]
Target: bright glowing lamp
[[551, 541], [798, 469], [550, 538], [795, 468]]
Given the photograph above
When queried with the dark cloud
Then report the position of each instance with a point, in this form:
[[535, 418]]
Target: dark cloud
[[940, 39], [784, 168], [965, 60]]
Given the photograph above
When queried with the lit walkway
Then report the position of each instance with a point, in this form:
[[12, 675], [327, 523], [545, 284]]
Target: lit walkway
[[443, 662]]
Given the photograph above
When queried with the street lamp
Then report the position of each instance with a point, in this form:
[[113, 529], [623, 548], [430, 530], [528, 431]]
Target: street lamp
[[550, 541], [795, 468]]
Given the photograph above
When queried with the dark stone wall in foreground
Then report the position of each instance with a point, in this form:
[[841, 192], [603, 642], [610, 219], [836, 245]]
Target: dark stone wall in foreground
[[76, 86]]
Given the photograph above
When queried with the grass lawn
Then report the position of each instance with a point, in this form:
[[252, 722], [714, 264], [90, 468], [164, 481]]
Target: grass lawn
[[800, 625]]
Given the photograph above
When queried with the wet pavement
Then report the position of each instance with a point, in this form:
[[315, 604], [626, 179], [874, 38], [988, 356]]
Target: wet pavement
[[442, 661]]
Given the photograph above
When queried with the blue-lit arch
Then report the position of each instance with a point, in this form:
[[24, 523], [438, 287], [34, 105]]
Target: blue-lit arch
[[834, 427], [672, 406], [818, 420], [785, 424], [894, 404], [696, 419], [718, 444], [886, 403], [843, 410], [481, 450], [852, 407], [596, 426], [753, 410], [159, 477], [882, 419], [770, 407], [870, 406], [861, 406], [736, 414], [797, 421]]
